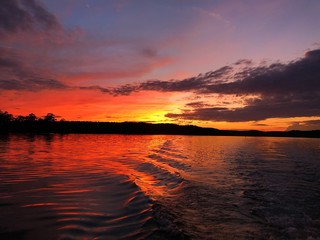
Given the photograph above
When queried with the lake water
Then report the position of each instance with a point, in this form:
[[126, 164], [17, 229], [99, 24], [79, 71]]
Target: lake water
[[159, 187]]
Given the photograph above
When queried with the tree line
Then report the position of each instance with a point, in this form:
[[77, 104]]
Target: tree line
[[50, 124], [6, 117]]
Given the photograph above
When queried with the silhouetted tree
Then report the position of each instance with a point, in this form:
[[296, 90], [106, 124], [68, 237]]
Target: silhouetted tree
[[5, 117], [20, 118], [50, 117], [49, 124], [31, 117]]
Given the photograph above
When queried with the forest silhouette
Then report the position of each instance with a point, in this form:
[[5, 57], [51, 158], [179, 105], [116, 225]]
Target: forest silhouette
[[50, 124]]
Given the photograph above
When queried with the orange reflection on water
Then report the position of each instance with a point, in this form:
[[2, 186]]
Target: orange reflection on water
[[40, 204], [102, 186], [75, 191], [83, 159], [91, 185]]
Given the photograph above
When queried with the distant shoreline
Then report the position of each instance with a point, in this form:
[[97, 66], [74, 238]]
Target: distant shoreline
[[138, 128]]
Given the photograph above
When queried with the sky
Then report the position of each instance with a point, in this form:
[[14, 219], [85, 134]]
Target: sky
[[241, 64]]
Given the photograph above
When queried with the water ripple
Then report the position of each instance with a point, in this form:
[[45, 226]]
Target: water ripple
[[158, 187]]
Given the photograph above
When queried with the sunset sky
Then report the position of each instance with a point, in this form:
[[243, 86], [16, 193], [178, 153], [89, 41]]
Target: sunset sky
[[242, 64]]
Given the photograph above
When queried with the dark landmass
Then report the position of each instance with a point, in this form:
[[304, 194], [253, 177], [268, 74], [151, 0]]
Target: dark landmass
[[65, 127], [49, 124]]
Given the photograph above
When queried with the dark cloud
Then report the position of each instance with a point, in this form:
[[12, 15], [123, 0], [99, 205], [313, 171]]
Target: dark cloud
[[295, 77], [21, 15], [305, 125], [157, 85], [198, 104], [17, 76], [282, 90], [32, 84], [98, 88], [8, 63], [10, 67], [185, 85], [313, 54], [28, 16], [261, 125], [126, 89], [260, 110], [17, 73], [243, 61], [149, 52], [193, 84]]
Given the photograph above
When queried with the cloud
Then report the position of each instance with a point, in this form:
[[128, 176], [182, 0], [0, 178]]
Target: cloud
[[281, 90], [15, 75], [296, 77], [32, 84], [22, 15], [292, 78], [260, 110], [305, 125], [8, 63], [36, 48], [198, 104], [215, 15], [98, 88], [22, 23], [193, 84]]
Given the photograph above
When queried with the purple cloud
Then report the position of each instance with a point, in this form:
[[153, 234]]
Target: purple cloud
[[282, 90], [22, 15]]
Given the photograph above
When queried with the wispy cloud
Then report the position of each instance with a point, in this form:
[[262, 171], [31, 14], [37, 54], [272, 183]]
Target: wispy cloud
[[213, 14]]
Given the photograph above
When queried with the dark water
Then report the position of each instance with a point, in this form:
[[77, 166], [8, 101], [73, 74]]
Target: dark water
[[159, 187]]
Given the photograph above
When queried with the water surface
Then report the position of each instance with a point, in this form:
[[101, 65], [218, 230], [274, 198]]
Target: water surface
[[158, 187]]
